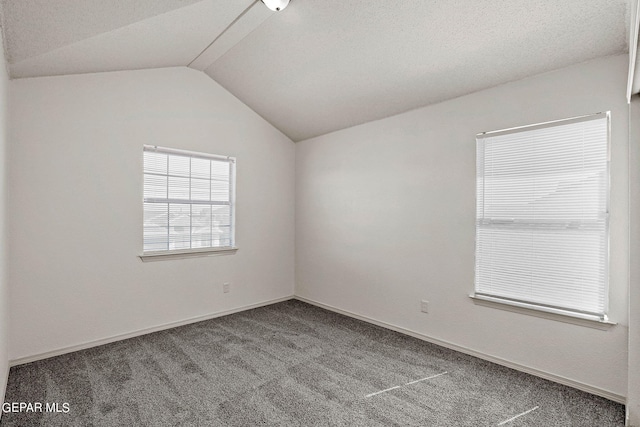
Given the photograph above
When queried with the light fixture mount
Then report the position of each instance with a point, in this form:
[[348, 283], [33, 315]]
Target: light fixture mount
[[276, 5]]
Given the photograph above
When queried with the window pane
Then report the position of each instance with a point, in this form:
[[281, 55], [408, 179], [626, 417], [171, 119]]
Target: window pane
[[220, 171], [178, 188], [220, 191], [550, 267], [179, 165], [200, 168], [221, 215], [155, 186], [155, 162], [200, 189], [156, 226], [179, 226], [199, 184], [222, 236], [201, 229], [542, 215]]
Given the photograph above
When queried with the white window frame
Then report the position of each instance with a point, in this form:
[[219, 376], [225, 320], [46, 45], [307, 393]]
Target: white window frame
[[562, 313], [200, 251]]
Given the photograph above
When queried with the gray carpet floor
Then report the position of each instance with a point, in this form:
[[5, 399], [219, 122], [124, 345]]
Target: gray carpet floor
[[291, 364]]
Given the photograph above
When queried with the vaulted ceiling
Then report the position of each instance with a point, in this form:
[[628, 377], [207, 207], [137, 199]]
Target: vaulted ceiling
[[319, 65]]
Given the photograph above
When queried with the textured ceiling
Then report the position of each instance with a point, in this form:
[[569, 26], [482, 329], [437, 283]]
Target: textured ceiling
[[39, 26], [53, 37], [319, 65], [324, 65]]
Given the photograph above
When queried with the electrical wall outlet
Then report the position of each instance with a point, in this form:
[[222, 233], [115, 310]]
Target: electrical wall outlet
[[424, 306], [226, 287]]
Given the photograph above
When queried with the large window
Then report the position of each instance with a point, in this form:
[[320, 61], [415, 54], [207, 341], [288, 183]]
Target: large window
[[188, 201], [542, 216]]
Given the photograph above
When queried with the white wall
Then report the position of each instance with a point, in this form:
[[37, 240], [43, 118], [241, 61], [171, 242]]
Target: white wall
[[385, 217], [75, 206], [384, 214], [633, 396], [4, 291]]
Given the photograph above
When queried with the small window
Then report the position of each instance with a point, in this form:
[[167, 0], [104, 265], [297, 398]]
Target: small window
[[542, 220], [188, 201]]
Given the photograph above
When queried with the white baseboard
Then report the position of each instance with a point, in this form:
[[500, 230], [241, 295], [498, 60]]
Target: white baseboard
[[536, 372], [499, 361], [108, 340]]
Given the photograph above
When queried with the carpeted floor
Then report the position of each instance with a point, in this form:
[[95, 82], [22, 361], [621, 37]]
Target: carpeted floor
[[291, 364]]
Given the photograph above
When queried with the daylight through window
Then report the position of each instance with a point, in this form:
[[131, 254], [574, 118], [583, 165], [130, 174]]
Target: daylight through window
[[188, 200], [542, 216]]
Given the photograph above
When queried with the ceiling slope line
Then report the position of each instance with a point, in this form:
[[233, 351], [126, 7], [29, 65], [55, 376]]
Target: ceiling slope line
[[141, 45], [37, 27], [243, 13], [634, 27], [252, 22]]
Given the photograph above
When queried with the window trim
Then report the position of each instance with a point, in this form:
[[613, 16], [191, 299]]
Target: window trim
[[158, 255], [597, 321], [537, 311], [186, 253]]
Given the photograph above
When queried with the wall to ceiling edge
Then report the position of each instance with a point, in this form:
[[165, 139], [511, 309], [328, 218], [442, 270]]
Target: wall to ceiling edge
[[385, 217], [75, 207]]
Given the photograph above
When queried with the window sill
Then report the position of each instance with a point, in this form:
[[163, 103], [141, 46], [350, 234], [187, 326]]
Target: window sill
[[188, 253], [543, 312]]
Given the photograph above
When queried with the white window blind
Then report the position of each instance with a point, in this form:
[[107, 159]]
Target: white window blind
[[188, 200], [542, 216]]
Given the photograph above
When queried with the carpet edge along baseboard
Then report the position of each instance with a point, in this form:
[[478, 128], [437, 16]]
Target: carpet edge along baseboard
[[140, 332], [499, 361]]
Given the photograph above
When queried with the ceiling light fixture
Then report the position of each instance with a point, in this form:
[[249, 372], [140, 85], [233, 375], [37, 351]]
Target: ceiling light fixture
[[276, 5]]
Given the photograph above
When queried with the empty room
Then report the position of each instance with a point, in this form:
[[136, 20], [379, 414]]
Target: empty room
[[320, 213]]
